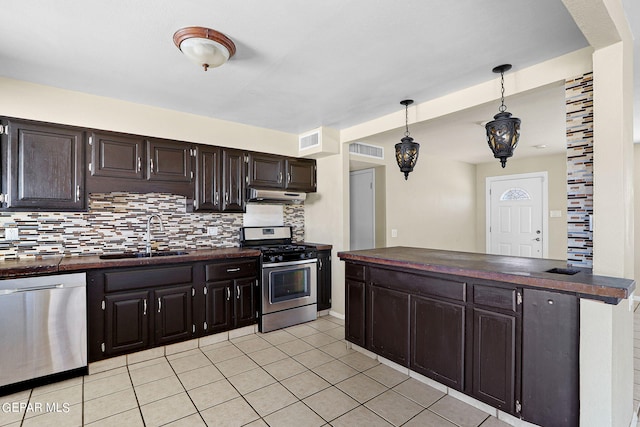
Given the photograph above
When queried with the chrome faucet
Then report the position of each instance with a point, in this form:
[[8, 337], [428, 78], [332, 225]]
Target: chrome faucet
[[148, 245]]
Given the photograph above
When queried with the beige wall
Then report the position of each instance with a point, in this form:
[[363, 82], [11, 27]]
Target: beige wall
[[435, 207], [37, 102], [556, 167]]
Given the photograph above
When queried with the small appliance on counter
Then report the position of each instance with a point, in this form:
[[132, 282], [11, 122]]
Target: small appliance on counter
[[288, 294]]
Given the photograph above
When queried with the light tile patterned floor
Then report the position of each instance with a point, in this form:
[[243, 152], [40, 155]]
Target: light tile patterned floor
[[301, 376]]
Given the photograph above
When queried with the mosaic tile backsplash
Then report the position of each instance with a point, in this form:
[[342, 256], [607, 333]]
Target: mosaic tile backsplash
[[579, 101], [117, 222]]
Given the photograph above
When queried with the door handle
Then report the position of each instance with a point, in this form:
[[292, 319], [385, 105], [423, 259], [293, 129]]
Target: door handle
[[537, 239]]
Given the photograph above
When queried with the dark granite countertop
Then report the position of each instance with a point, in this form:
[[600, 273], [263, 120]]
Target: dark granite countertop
[[530, 272], [31, 267], [319, 246]]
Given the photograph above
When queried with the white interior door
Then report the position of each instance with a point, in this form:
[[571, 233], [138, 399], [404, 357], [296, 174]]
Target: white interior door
[[362, 209], [516, 215]]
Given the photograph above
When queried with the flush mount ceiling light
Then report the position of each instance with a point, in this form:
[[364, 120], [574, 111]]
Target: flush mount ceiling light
[[204, 46], [503, 132], [407, 150]]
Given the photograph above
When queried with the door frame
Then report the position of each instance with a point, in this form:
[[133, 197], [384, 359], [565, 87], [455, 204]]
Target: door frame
[[373, 193], [545, 206]]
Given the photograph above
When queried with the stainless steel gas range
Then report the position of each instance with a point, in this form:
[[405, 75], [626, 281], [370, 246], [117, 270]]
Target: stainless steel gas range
[[289, 277]]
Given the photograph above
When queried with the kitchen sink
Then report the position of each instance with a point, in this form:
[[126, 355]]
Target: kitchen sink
[[126, 255]]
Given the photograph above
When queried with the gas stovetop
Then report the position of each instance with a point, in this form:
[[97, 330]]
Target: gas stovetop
[[275, 244]]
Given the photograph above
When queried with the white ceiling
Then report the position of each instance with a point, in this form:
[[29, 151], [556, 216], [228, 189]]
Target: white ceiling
[[299, 64]]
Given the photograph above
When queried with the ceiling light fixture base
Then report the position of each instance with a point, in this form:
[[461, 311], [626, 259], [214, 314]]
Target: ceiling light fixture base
[[501, 68]]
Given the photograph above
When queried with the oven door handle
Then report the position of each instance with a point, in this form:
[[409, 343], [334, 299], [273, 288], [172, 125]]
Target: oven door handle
[[288, 263]]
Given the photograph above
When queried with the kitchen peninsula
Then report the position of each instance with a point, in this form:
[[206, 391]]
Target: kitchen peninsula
[[504, 330]]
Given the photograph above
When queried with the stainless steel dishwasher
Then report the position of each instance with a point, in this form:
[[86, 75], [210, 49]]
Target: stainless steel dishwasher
[[43, 326]]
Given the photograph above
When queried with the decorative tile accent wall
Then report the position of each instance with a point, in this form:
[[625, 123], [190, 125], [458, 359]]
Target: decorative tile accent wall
[[116, 222], [579, 101]]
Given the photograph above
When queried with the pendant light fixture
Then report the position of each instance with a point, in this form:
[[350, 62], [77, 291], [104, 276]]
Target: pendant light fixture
[[204, 46], [503, 132], [407, 150]]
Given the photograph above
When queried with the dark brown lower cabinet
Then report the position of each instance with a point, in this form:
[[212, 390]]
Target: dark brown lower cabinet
[[218, 306], [244, 310], [173, 314], [388, 323], [126, 322], [438, 340], [550, 358], [494, 356], [355, 312]]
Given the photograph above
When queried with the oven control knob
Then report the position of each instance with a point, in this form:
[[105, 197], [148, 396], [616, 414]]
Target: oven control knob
[[272, 258], [280, 258]]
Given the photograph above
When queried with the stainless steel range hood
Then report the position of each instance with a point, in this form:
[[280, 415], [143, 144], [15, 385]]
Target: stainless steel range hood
[[276, 196]]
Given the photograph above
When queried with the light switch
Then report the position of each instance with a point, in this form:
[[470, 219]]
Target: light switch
[[394, 232]]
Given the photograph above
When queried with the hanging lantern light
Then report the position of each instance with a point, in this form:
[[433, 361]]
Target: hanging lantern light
[[406, 149], [503, 132]]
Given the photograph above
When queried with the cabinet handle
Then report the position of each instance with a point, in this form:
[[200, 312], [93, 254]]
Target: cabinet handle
[[139, 164], [77, 193], [279, 177], [233, 270], [151, 164], [320, 262], [226, 197], [159, 305], [217, 198], [144, 307], [238, 291], [288, 177], [228, 293], [239, 196]]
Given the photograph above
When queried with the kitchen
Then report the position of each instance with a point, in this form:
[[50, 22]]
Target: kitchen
[[324, 212]]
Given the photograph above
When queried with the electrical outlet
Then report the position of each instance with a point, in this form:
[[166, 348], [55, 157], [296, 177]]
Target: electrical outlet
[[212, 231], [11, 234], [394, 232]]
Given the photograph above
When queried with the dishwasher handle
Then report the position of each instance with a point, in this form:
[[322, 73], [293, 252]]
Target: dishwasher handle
[[29, 289]]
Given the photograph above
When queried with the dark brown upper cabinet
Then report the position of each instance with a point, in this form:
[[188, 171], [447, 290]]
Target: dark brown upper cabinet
[[271, 171], [266, 171], [43, 166], [301, 175], [116, 155], [233, 180], [208, 178], [169, 160], [124, 162]]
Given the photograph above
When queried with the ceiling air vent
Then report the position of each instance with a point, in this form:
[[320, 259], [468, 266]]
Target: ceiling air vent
[[309, 140], [367, 150]]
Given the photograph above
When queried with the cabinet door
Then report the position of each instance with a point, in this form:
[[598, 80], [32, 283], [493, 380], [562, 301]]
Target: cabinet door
[[355, 312], [301, 175], [45, 167], [245, 302], [233, 177], [494, 354], [324, 280], [169, 161], [116, 155], [266, 171], [126, 322], [550, 358], [173, 319], [437, 340], [388, 323], [207, 179], [219, 306]]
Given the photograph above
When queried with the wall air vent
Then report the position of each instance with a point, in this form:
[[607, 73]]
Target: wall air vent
[[309, 140], [367, 150]]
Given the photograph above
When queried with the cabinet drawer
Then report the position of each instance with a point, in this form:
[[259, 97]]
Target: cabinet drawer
[[354, 271], [491, 296], [124, 279], [230, 270], [419, 284]]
